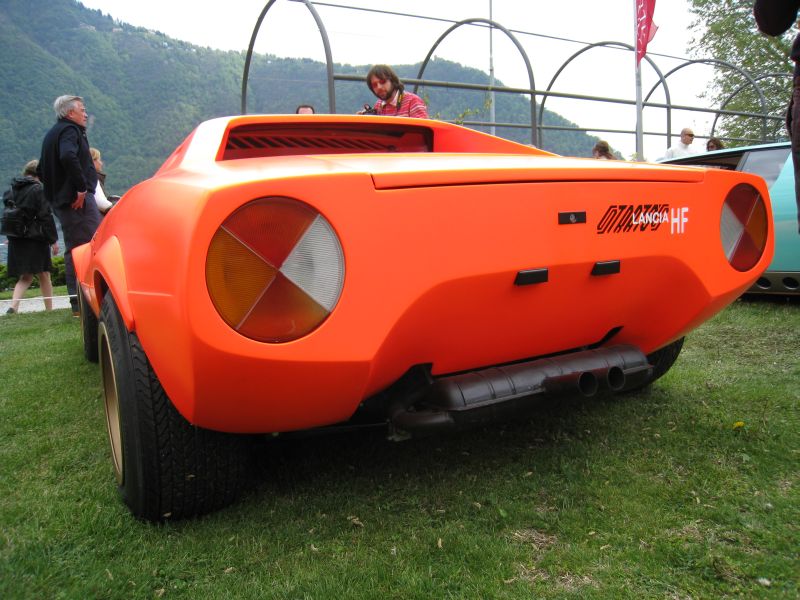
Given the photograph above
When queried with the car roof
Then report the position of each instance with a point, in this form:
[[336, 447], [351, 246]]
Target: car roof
[[734, 159], [751, 147], [726, 151]]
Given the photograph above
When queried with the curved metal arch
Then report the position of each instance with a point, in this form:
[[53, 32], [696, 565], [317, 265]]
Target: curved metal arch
[[534, 129], [536, 124], [613, 45], [325, 43], [739, 89], [715, 61]]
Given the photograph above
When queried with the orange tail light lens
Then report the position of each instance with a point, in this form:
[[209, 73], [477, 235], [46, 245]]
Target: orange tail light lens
[[744, 227], [275, 269]]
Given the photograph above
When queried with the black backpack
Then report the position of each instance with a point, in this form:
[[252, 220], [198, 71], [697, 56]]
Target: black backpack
[[15, 220], [22, 222]]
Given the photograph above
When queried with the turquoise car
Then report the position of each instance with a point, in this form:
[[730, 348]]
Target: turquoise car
[[774, 163]]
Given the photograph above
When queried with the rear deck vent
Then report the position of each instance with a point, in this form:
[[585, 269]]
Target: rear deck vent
[[281, 139]]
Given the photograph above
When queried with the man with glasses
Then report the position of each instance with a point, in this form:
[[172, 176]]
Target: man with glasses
[[67, 171], [684, 146]]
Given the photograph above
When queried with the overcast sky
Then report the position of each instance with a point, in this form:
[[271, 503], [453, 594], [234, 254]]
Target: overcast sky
[[359, 37]]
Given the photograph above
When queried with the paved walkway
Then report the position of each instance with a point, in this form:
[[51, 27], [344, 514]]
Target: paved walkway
[[34, 304]]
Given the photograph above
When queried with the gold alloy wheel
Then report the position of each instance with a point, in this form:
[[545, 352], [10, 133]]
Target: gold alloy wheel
[[111, 402], [82, 308]]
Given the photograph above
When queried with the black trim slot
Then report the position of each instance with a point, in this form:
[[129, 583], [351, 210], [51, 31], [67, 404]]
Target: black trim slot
[[606, 267], [531, 276]]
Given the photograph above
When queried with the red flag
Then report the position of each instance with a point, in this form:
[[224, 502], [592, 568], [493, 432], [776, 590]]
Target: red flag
[[645, 28]]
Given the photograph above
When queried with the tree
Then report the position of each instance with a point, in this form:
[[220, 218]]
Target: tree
[[726, 30]]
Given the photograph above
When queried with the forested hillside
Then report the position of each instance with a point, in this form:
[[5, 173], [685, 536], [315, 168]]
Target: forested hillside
[[145, 91]]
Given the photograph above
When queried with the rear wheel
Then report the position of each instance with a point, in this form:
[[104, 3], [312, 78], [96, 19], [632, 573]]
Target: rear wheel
[[165, 467], [88, 329]]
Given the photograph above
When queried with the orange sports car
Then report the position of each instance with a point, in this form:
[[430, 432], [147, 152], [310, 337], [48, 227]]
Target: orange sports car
[[283, 273]]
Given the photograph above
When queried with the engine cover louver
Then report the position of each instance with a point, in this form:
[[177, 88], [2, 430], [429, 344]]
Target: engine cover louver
[[288, 140]]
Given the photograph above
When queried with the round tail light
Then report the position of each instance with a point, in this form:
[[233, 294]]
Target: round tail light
[[744, 227], [275, 269]]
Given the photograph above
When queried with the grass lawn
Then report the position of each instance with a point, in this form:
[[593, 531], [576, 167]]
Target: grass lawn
[[58, 290], [690, 489]]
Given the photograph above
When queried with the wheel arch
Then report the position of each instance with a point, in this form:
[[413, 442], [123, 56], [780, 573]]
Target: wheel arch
[[109, 275]]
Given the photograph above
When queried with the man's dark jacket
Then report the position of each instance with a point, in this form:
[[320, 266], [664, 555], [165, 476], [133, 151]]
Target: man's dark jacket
[[66, 166]]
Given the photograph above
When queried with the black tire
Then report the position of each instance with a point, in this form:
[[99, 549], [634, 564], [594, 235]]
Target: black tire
[[166, 468], [662, 360], [88, 329]]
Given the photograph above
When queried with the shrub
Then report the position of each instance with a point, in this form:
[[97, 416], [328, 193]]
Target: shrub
[[6, 282], [58, 278], [57, 275]]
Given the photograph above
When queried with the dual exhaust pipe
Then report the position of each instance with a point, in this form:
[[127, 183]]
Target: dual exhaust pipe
[[587, 383], [486, 395]]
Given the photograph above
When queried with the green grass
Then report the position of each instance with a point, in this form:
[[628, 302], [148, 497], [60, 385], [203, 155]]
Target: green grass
[[690, 489], [58, 290]]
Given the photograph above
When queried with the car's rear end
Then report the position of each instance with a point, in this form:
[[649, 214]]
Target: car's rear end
[[276, 278], [307, 284]]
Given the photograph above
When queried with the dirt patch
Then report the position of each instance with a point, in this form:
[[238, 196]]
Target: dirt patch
[[539, 540]]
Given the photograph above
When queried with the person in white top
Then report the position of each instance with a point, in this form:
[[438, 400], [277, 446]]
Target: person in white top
[[103, 203], [683, 147]]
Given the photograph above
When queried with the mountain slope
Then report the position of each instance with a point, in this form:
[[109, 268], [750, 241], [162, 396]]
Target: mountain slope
[[145, 91]]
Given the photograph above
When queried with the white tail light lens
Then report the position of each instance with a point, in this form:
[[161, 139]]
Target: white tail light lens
[[275, 269]]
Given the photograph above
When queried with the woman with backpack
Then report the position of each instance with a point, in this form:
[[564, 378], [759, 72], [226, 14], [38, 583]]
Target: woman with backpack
[[29, 254]]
